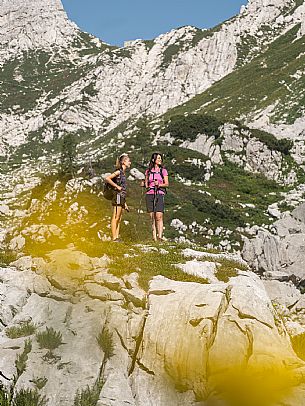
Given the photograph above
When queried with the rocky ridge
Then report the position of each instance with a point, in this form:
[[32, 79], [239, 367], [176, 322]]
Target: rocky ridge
[[33, 25], [150, 77]]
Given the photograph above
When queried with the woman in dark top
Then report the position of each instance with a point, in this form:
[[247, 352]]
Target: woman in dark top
[[118, 181], [156, 180]]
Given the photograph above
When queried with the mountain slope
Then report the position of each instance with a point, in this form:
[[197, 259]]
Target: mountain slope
[[148, 77]]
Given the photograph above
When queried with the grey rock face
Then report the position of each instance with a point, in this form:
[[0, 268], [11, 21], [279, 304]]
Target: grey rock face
[[281, 251], [184, 335], [31, 24]]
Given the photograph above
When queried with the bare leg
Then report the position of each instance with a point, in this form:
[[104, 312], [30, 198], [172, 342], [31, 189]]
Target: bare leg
[[116, 221], [159, 223], [153, 226]]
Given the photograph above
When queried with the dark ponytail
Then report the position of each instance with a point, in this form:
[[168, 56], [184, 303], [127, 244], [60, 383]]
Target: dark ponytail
[[153, 160]]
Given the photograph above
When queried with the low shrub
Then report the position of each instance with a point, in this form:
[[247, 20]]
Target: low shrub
[[22, 358], [4, 396], [24, 329], [283, 145], [88, 396], [29, 397], [105, 341], [49, 339], [188, 127]]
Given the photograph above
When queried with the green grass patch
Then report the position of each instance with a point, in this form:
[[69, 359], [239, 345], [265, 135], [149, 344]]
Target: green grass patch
[[228, 269], [22, 330], [152, 263], [7, 256]]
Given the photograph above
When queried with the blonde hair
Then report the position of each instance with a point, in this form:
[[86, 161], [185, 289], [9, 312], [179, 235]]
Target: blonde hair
[[120, 160]]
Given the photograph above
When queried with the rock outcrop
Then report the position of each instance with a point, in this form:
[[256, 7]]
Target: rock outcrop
[[280, 253], [32, 24], [183, 343]]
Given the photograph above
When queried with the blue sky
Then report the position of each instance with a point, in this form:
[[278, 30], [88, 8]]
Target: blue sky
[[119, 20]]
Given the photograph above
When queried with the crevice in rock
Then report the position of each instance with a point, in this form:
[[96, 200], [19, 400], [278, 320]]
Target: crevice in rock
[[129, 352], [3, 376], [138, 344], [3, 324], [161, 292], [145, 369], [292, 305], [250, 345], [201, 305], [224, 304], [238, 326], [242, 315]]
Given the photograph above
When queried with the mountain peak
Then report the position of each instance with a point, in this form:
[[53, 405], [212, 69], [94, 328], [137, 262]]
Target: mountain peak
[[270, 5], [30, 24]]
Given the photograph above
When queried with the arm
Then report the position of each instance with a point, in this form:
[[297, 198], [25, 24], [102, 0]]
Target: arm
[[165, 182], [110, 181], [146, 180]]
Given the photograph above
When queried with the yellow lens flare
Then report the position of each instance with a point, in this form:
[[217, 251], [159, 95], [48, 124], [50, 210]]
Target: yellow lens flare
[[260, 385]]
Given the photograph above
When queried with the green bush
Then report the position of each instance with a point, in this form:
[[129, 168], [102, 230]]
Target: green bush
[[220, 214], [188, 127], [29, 397], [88, 396], [24, 329], [22, 358], [105, 341], [49, 339], [283, 145]]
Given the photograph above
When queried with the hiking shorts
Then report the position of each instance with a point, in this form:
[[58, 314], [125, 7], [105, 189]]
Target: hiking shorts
[[118, 200], [155, 203]]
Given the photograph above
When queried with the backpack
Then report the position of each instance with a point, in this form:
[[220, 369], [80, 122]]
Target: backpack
[[108, 191]]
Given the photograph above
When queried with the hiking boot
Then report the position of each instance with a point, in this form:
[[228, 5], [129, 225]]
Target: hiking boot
[[117, 240]]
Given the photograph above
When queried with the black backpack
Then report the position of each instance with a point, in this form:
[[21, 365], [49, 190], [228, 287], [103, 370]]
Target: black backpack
[[109, 191]]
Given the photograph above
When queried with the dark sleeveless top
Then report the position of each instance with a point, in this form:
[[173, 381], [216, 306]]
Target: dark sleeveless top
[[121, 181]]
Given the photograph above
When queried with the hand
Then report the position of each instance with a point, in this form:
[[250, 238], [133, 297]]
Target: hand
[[119, 188], [126, 207], [156, 183]]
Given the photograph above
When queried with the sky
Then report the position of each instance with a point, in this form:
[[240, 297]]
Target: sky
[[117, 21]]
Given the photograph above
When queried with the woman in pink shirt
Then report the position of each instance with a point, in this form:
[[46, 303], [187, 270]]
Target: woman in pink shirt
[[156, 180]]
